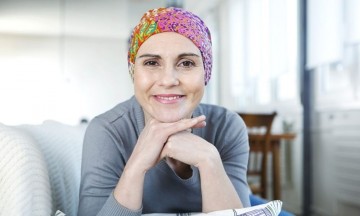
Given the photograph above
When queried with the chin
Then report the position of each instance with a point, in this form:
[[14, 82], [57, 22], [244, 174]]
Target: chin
[[169, 119]]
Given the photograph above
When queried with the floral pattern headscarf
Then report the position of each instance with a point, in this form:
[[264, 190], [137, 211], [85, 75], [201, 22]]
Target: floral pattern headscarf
[[172, 20]]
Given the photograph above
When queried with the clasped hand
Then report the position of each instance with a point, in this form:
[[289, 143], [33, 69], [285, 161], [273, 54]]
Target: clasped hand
[[174, 140]]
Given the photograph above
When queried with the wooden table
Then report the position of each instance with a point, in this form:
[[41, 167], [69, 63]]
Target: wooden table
[[276, 166]]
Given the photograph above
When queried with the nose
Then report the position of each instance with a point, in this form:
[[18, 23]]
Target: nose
[[169, 77]]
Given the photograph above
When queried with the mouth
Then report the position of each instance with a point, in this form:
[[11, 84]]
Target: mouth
[[168, 99]]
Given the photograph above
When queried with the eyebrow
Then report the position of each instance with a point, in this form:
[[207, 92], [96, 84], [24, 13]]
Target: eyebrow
[[158, 56], [188, 54], [149, 55]]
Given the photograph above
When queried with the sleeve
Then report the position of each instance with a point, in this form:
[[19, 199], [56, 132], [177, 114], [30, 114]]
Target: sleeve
[[102, 164], [235, 155]]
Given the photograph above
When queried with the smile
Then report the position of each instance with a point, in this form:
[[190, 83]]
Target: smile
[[169, 98]]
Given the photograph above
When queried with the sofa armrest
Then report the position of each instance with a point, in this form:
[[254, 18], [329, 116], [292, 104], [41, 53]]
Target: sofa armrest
[[24, 181]]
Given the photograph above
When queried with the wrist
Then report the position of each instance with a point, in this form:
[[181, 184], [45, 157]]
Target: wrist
[[135, 168], [211, 160]]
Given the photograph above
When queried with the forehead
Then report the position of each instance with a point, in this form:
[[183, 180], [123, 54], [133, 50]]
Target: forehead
[[168, 42]]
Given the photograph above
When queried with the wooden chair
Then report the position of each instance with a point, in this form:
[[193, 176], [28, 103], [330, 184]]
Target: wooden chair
[[259, 129]]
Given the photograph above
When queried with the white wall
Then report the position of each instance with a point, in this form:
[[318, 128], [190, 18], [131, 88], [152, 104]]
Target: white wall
[[96, 70], [62, 60], [38, 83]]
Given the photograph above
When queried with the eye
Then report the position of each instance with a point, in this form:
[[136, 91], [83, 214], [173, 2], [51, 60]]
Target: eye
[[187, 64], [151, 63]]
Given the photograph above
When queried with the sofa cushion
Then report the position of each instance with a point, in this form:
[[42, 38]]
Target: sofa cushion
[[61, 145], [24, 180]]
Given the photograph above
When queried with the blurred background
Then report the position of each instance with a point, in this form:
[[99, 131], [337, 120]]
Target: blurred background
[[66, 60]]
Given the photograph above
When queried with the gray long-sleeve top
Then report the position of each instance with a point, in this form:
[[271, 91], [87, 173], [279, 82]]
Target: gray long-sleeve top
[[110, 139]]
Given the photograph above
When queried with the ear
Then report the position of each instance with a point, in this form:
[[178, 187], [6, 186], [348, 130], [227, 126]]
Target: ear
[[131, 70]]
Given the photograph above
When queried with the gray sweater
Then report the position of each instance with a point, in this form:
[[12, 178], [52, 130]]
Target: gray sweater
[[110, 139]]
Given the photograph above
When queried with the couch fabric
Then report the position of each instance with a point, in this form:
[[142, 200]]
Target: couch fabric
[[40, 168], [23, 171]]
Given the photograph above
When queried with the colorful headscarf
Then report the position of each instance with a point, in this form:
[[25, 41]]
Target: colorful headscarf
[[172, 20]]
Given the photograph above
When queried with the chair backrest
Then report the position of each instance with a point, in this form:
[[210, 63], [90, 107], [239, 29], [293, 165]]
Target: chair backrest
[[259, 129]]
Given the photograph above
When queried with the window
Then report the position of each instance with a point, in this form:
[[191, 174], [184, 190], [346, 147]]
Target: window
[[267, 39], [336, 76]]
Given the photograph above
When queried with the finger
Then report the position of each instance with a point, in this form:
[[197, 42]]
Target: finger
[[200, 125], [184, 124], [201, 117]]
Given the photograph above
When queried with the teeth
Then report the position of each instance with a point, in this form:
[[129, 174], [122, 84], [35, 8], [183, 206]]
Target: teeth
[[169, 98]]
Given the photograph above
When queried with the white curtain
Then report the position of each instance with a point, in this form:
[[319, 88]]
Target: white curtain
[[324, 32], [269, 32]]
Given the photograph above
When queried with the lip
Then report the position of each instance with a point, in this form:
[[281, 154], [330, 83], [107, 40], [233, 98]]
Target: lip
[[169, 98]]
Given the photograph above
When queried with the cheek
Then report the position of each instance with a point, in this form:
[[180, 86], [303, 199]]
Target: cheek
[[141, 81], [200, 92], [197, 83], [139, 86], [196, 88]]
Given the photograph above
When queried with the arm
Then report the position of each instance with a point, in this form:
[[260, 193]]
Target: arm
[[233, 146], [103, 161], [235, 155], [217, 190], [222, 169]]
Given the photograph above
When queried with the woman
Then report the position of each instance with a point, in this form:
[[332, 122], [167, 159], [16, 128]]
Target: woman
[[162, 151]]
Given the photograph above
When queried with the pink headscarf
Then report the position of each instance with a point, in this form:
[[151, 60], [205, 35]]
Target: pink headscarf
[[172, 20]]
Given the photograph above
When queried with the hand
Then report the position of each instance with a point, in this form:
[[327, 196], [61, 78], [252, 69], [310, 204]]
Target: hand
[[147, 151], [190, 149]]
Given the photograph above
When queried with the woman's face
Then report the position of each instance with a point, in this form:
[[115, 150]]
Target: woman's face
[[168, 77]]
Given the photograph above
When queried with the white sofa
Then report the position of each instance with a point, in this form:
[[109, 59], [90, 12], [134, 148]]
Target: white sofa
[[40, 168]]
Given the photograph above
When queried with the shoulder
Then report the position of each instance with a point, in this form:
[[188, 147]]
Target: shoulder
[[216, 114], [221, 123], [117, 128], [125, 113], [120, 110], [224, 128]]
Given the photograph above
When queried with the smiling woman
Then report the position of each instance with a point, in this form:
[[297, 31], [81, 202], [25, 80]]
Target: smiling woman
[[162, 151]]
